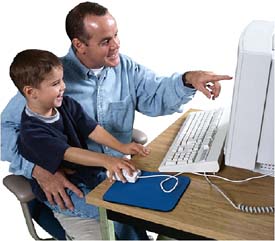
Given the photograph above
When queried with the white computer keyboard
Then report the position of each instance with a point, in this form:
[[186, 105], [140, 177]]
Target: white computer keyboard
[[199, 143]]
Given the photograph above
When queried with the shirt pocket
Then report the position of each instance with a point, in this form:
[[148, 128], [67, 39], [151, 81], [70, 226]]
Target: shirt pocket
[[121, 115]]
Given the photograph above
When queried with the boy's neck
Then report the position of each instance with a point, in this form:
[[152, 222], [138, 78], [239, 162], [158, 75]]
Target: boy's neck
[[41, 111]]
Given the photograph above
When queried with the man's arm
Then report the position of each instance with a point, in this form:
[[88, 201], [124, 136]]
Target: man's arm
[[155, 95], [10, 126], [160, 95], [54, 186]]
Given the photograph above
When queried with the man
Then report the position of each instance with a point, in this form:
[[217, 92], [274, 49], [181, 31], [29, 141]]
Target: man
[[110, 87]]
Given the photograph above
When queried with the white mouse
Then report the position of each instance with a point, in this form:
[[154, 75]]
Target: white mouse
[[131, 179]]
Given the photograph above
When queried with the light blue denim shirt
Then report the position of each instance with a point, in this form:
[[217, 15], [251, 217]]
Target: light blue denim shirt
[[110, 98]]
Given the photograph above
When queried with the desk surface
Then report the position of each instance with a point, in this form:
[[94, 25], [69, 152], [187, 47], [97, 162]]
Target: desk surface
[[202, 210]]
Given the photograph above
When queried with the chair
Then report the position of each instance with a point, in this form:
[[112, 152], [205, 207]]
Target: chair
[[139, 136], [35, 210]]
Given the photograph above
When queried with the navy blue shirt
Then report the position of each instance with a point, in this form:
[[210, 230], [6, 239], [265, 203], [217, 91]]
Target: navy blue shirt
[[44, 143]]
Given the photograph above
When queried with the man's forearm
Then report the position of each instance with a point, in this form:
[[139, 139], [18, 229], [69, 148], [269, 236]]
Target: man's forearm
[[10, 127], [25, 169], [40, 173], [9, 152]]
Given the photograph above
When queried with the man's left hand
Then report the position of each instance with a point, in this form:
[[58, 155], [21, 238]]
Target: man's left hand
[[206, 82]]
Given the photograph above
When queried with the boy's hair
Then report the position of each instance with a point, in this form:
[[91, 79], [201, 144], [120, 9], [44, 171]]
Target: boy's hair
[[75, 19], [30, 67]]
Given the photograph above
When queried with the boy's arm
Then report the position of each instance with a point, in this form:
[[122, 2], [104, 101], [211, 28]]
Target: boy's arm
[[85, 157], [89, 128], [101, 136], [89, 158]]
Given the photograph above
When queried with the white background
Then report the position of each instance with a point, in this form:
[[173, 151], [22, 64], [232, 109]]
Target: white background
[[165, 35]]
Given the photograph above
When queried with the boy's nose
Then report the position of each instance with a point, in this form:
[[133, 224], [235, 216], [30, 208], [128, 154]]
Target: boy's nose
[[63, 85]]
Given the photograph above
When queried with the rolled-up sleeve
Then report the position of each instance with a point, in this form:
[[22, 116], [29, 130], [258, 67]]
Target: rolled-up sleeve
[[157, 95], [10, 127]]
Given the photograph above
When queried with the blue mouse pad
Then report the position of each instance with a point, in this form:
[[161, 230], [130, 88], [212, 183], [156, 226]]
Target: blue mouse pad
[[147, 193]]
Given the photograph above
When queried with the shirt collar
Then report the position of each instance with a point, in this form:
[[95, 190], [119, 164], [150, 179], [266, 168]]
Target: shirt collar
[[81, 68], [46, 119]]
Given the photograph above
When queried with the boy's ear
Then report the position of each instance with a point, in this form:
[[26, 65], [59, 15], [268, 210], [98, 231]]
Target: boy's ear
[[29, 92]]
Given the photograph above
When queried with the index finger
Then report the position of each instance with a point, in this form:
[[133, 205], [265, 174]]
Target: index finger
[[74, 189], [145, 151], [214, 78], [128, 165]]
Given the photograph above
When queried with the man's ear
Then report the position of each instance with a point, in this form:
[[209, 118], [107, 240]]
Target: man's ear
[[29, 92], [78, 45]]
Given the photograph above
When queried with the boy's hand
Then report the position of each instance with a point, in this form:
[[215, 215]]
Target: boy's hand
[[116, 165], [135, 148]]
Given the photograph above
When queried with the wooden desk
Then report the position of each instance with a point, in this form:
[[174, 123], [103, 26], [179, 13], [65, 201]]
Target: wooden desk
[[202, 210]]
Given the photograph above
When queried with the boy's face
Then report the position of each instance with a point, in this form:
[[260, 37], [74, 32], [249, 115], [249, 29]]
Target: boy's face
[[50, 91]]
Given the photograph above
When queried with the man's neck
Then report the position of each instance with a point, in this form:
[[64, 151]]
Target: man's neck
[[86, 62]]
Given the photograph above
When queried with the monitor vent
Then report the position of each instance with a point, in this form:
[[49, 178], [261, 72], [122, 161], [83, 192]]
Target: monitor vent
[[266, 166]]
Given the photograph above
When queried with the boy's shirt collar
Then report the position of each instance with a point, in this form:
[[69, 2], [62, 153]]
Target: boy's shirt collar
[[46, 119]]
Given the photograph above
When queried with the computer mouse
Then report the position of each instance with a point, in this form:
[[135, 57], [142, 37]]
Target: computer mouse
[[131, 179]]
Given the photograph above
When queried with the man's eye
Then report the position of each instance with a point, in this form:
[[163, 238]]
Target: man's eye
[[105, 42]]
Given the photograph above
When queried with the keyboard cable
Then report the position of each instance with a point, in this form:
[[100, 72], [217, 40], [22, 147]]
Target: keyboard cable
[[242, 207]]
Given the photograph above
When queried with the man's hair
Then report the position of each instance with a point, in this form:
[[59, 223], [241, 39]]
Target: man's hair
[[75, 19], [30, 67]]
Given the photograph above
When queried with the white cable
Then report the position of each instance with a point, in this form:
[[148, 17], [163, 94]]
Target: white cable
[[163, 181], [221, 192], [227, 179], [241, 207]]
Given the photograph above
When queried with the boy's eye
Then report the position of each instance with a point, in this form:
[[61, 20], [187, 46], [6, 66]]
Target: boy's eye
[[55, 83]]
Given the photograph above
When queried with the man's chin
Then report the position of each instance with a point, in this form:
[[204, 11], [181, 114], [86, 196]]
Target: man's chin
[[113, 62]]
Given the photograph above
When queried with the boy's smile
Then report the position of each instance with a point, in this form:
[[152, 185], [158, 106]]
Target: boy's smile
[[49, 94]]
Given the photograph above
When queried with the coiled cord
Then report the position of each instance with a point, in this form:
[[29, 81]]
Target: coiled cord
[[256, 209], [242, 207]]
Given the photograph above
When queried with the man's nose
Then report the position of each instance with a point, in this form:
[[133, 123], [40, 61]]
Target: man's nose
[[115, 43]]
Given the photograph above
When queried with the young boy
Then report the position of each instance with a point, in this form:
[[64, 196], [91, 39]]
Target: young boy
[[54, 129]]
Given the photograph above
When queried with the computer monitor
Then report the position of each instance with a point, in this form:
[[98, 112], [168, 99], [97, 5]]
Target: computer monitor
[[250, 138]]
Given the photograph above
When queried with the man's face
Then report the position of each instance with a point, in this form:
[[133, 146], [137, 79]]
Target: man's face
[[102, 49]]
